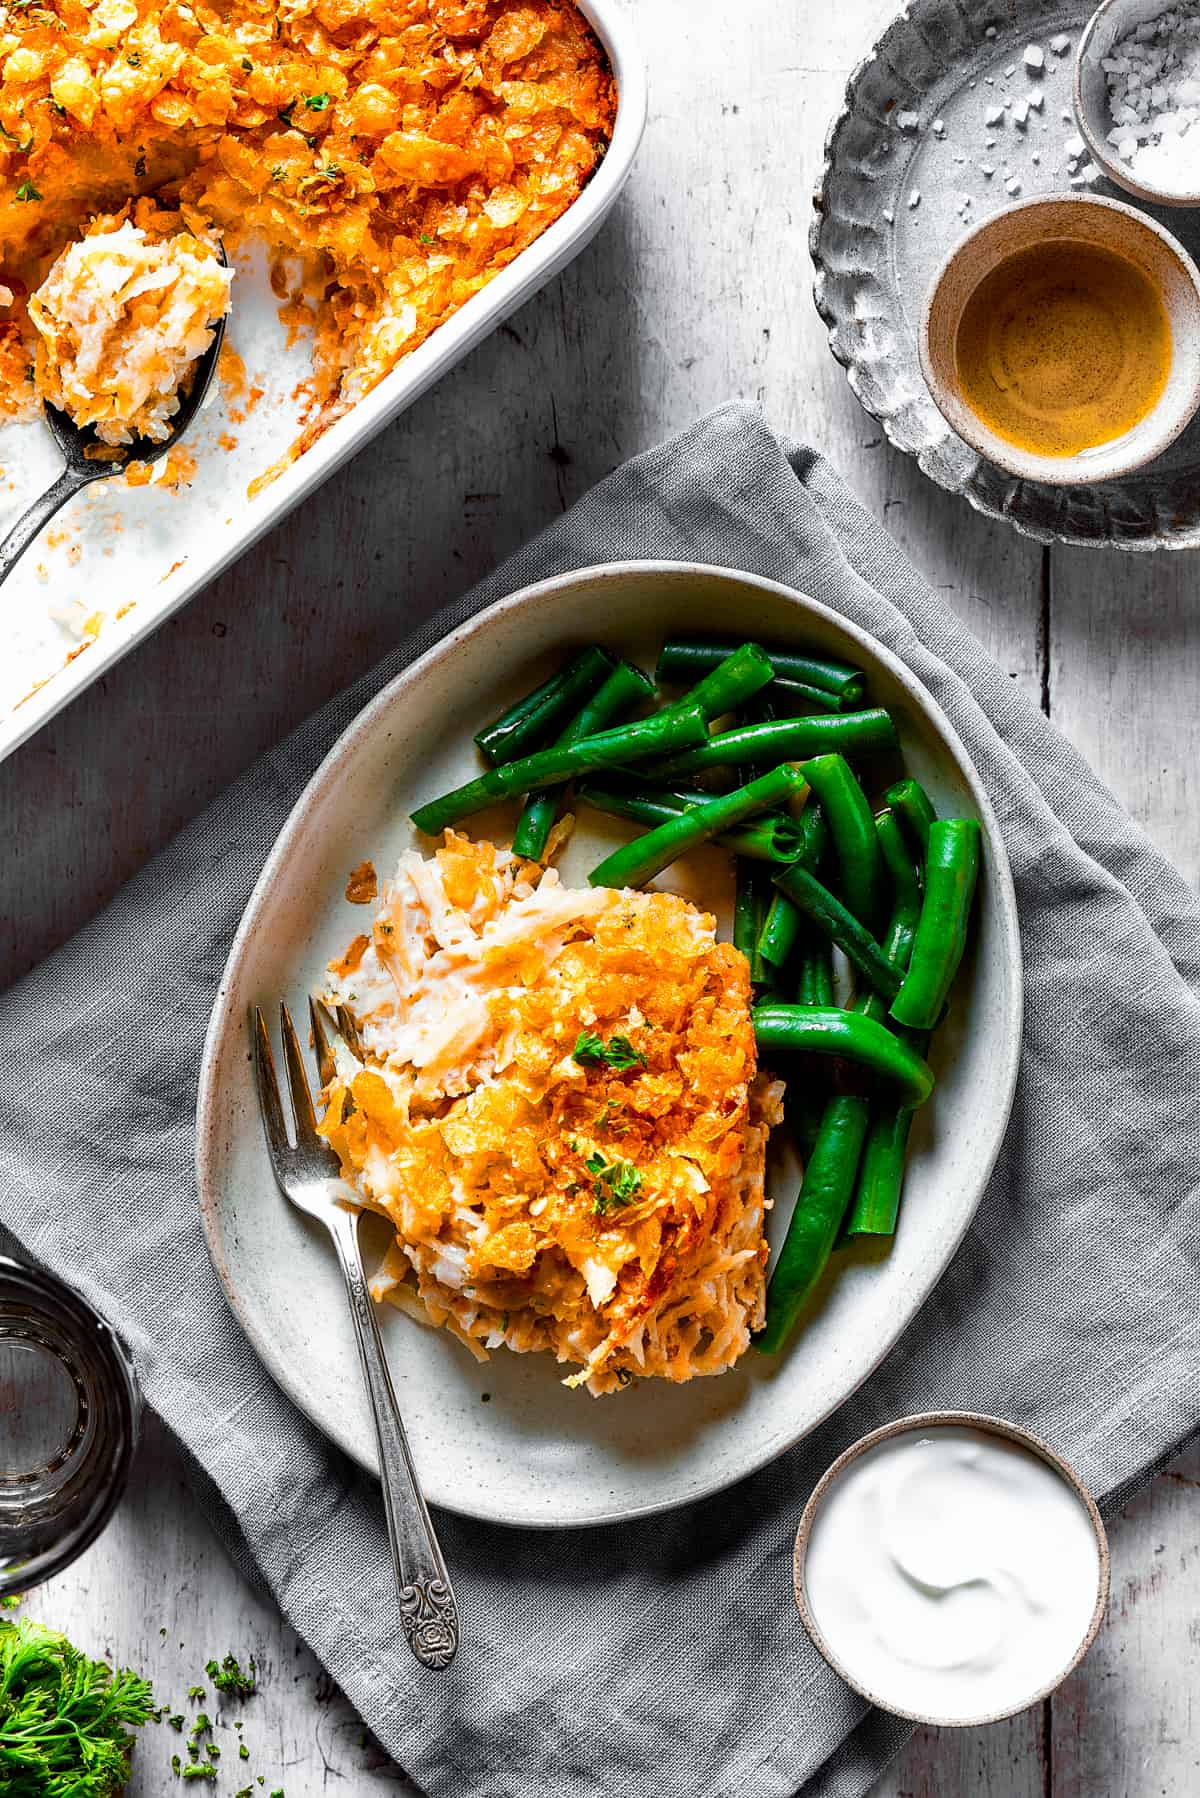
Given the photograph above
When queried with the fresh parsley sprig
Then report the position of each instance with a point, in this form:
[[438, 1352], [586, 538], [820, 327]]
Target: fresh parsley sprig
[[64, 1719], [619, 1054]]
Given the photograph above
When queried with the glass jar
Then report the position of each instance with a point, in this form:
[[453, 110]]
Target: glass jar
[[70, 1410]]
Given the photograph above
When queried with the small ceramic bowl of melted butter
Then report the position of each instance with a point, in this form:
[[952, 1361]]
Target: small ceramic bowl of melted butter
[[1061, 340]]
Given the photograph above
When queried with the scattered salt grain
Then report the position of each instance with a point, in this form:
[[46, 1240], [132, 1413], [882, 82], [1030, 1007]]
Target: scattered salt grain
[[938, 127], [1060, 43], [1034, 58], [1012, 185], [907, 121], [988, 169], [1154, 99], [1021, 114], [1037, 98], [990, 32], [994, 115], [914, 199]]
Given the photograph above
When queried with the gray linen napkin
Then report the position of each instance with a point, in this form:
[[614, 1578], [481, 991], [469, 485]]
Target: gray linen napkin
[[664, 1658]]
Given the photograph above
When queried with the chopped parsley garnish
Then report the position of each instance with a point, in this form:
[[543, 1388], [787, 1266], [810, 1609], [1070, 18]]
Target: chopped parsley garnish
[[199, 1770], [614, 1183], [230, 1676], [425, 238], [196, 1694], [25, 147], [278, 172], [176, 1722], [27, 192], [243, 1752], [134, 59], [619, 1053], [316, 102], [247, 65], [286, 113]]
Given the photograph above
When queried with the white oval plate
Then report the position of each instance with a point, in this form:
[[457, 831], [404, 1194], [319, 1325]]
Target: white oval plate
[[505, 1440]]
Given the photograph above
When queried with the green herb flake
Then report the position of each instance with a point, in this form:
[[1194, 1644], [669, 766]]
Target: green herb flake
[[27, 192], [425, 238], [618, 1053], [247, 65], [199, 1770], [134, 59], [230, 1676], [196, 1694], [176, 1765], [176, 1721], [243, 1752], [614, 1183], [316, 102]]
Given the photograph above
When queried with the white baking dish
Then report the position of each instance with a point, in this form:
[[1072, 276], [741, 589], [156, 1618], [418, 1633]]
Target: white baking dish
[[113, 564]]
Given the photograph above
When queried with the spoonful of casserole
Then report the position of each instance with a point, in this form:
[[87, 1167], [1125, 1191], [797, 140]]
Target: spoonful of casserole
[[130, 320]]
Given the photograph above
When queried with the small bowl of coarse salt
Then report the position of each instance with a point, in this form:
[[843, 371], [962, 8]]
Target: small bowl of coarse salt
[[1137, 97]]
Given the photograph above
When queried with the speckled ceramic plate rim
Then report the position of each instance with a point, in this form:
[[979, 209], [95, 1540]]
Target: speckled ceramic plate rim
[[224, 1022], [891, 421]]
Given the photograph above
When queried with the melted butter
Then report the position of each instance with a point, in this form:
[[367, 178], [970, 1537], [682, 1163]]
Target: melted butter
[[1063, 347]]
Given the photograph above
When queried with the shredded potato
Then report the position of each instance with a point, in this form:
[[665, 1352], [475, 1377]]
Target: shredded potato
[[606, 1205], [393, 154]]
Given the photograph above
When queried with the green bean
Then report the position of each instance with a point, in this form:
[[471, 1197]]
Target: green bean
[[852, 833], [791, 698], [814, 974], [645, 737], [774, 837], [852, 938], [828, 1030], [825, 1194], [625, 686], [635, 863], [951, 870], [532, 720], [785, 739], [780, 931], [686, 658], [880, 1182], [914, 808], [749, 908], [733, 678], [906, 889]]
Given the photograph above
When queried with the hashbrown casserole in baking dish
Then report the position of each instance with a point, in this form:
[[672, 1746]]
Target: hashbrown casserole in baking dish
[[393, 155]]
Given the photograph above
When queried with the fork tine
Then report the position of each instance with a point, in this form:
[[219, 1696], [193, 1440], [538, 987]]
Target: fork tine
[[302, 1105], [268, 1086], [321, 1023], [349, 1030]]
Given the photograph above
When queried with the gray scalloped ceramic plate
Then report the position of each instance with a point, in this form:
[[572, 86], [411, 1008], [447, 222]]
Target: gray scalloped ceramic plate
[[876, 254], [506, 1441]]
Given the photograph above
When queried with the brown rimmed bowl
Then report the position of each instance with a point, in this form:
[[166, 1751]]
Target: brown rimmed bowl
[[934, 1420], [1085, 219]]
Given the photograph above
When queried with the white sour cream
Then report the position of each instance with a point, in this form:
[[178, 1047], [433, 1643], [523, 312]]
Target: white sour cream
[[952, 1573]]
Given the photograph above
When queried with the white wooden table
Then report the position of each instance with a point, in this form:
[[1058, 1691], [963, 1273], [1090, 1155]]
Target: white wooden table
[[697, 290]]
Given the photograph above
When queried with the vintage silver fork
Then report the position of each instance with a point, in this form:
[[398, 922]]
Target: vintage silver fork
[[309, 1174]]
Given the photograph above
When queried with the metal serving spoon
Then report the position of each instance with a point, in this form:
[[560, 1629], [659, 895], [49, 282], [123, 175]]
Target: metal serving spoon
[[81, 469]]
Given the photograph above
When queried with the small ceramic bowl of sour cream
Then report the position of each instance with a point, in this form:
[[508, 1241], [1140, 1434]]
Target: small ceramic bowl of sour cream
[[952, 1568]]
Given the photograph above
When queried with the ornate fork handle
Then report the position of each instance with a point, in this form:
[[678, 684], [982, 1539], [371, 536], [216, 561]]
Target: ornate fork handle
[[428, 1612]]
